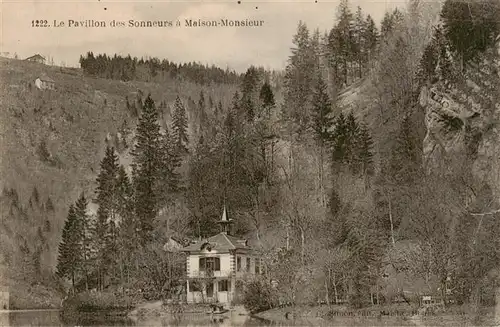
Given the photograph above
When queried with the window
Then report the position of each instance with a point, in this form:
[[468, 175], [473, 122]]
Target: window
[[210, 264], [257, 266], [224, 286], [248, 264], [238, 263]]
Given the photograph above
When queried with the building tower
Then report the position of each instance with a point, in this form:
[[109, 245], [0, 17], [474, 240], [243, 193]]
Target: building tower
[[225, 223]]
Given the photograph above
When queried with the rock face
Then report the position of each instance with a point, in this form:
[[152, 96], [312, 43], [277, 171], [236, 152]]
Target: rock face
[[462, 130]]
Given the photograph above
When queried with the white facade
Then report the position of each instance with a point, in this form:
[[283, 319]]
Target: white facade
[[215, 284], [44, 84], [193, 262]]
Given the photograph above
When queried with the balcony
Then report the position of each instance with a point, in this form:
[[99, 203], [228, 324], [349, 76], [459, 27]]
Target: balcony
[[210, 273]]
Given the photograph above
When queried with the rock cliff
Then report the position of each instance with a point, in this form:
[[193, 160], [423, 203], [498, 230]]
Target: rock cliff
[[463, 124]]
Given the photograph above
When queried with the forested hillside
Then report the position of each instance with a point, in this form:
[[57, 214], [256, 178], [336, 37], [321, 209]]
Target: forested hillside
[[365, 172], [52, 143]]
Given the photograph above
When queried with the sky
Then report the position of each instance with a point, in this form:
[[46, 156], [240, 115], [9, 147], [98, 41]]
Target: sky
[[233, 47]]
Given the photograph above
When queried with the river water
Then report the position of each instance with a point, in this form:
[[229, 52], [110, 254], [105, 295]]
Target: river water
[[52, 318]]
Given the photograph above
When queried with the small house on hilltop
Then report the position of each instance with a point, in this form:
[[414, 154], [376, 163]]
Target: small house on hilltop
[[36, 58], [45, 83]]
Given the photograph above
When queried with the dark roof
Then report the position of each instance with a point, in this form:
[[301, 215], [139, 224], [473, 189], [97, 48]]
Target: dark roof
[[220, 242], [35, 57], [173, 245]]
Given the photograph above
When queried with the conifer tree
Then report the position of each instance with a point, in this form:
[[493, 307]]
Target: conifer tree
[[146, 164], [249, 93], [69, 259], [322, 121], [299, 79], [85, 230], [169, 177], [204, 189], [128, 237], [360, 42], [232, 121], [266, 95], [390, 22], [439, 58], [341, 43], [203, 118], [345, 141], [201, 100], [179, 126], [352, 141], [124, 194], [405, 156], [108, 212], [316, 52], [386, 25], [364, 150], [398, 16], [248, 108], [371, 37], [339, 139], [106, 189]]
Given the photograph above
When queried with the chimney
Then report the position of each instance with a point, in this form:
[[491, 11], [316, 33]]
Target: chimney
[[242, 242]]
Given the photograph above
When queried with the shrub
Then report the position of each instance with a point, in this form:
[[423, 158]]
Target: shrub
[[259, 295], [43, 151]]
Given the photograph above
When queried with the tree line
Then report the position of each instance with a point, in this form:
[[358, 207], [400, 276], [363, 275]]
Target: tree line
[[148, 69]]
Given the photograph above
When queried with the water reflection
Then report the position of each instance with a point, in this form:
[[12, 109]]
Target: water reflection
[[30, 318], [195, 320], [53, 318]]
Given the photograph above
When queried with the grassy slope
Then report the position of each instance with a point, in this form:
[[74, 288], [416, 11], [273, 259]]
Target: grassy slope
[[74, 120]]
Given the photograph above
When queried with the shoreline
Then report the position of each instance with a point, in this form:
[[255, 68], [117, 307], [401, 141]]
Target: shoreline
[[157, 308], [325, 314], [31, 310]]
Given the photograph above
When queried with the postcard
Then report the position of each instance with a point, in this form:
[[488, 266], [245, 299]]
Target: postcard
[[237, 163]]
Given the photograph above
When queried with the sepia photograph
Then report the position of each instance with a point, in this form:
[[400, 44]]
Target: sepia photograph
[[250, 163]]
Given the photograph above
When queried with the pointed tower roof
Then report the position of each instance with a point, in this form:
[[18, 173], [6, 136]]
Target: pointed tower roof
[[224, 215], [225, 222]]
